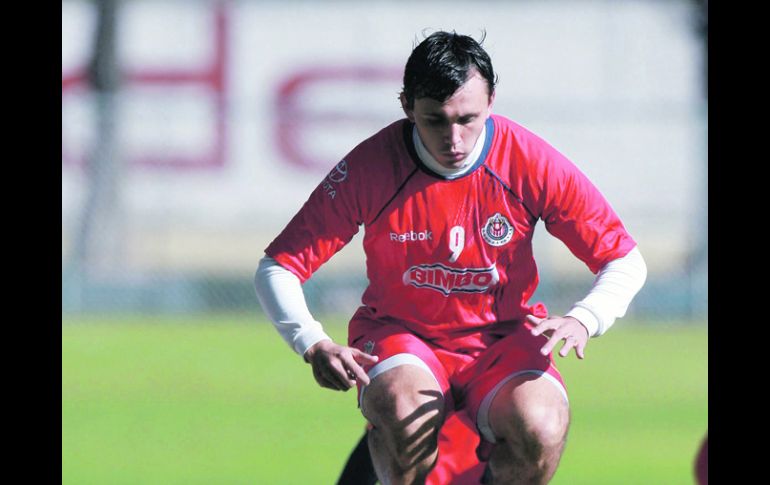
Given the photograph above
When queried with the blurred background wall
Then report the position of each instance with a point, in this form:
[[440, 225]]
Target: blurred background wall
[[193, 130]]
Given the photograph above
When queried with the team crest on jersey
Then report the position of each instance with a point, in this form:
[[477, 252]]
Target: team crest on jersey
[[497, 231], [369, 346], [447, 280]]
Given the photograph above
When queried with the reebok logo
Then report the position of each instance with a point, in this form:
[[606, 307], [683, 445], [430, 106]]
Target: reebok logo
[[447, 280], [412, 236]]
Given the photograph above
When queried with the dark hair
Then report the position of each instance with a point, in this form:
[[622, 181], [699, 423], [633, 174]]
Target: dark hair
[[442, 63]]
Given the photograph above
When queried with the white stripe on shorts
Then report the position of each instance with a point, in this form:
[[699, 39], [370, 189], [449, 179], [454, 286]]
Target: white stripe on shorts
[[482, 418], [395, 361]]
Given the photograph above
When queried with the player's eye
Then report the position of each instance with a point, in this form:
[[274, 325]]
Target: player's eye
[[435, 121]]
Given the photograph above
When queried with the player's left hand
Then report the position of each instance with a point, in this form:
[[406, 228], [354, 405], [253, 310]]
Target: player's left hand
[[569, 329]]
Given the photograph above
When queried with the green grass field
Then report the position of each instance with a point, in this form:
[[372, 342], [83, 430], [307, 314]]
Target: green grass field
[[223, 400]]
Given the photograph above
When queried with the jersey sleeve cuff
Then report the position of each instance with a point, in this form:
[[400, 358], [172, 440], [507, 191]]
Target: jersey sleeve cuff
[[587, 318], [307, 339], [287, 263]]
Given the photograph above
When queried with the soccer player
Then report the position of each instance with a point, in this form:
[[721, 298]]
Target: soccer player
[[449, 198]]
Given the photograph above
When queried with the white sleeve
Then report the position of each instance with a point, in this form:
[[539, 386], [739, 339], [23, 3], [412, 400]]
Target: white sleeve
[[280, 293], [615, 286]]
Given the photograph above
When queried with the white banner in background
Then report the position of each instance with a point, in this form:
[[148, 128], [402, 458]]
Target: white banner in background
[[232, 112]]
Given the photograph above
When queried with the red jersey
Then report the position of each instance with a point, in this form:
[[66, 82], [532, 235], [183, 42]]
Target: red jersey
[[451, 259]]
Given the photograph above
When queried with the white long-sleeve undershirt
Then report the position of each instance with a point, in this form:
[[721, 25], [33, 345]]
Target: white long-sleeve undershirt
[[280, 293], [615, 286]]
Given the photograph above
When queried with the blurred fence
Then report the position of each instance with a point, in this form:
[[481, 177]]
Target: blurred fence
[[210, 122]]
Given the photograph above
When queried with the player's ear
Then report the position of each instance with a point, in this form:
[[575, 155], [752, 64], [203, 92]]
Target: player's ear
[[408, 112]]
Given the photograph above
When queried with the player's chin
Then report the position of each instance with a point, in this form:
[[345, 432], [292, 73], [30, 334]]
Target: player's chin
[[451, 162]]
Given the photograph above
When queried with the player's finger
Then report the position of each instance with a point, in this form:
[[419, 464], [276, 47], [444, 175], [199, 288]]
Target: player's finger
[[356, 372], [364, 358], [544, 325], [339, 373], [330, 384], [580, 350], [554, 339], [333, 383], [329, 372], [323, 380], [534, 320], [548, 347], [569, 343]]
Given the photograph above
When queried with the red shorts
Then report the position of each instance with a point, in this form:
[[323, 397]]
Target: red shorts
[[468, 382]]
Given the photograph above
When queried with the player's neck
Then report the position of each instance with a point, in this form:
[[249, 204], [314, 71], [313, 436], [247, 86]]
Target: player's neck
[[449, 173]]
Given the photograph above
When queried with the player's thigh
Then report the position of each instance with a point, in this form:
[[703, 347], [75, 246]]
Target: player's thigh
[[405, 398], [513, 387], [407, 381], [529, 407]]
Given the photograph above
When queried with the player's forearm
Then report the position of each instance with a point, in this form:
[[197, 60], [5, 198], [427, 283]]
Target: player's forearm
[[280, 293], [615, 286]]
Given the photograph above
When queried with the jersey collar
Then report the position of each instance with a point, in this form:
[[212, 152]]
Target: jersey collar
[[409, 140]]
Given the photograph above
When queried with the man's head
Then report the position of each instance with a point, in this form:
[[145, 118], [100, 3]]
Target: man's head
[[449, 86], [441, 63]]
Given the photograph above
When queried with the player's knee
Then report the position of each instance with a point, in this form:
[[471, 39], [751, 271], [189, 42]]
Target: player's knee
[[537, 430], [401, 396], [405, 412], [547, 426], [405, 415], [531, 414]]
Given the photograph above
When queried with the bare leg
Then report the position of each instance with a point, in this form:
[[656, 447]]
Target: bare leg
[[530, 418], [406, 408]]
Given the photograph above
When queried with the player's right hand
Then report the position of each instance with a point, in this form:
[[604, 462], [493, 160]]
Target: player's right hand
[[338, 367]]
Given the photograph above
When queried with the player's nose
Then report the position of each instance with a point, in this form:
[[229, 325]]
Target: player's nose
[[454, 136]]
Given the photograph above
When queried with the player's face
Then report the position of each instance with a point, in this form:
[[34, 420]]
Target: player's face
[[449, 130]]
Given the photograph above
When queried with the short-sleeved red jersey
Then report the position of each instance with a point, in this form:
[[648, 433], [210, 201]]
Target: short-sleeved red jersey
[[451, 259]]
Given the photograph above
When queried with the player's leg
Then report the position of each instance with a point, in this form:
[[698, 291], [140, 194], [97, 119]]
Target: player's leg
[[359, 469], [405, 406], [521, 409], [457, 463], [404, 401], [529, 418]]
